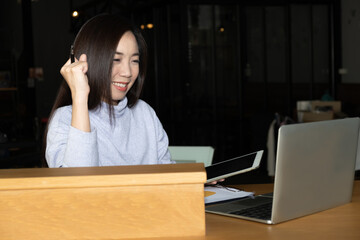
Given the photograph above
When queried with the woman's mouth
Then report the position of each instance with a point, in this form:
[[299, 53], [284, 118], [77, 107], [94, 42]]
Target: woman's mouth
[[120, 86]]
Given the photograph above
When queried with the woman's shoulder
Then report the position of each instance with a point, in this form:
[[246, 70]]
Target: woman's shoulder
[[143, 109], [141, 105], [63, 110], [62, 113]]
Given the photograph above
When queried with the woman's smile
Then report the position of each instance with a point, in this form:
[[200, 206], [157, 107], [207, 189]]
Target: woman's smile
[[122, 86]]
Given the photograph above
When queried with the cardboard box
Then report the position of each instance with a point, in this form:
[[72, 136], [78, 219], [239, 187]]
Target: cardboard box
[[103, 202], [314, 116], [312, 106], [310, 111], [334, 105]]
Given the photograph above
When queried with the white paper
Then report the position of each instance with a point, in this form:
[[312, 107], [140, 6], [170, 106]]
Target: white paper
[[220, 193]]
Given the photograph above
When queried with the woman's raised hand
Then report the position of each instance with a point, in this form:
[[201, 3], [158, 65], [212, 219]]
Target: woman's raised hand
[[75, 76]]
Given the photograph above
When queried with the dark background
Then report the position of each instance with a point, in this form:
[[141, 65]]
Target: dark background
[[219, 70]]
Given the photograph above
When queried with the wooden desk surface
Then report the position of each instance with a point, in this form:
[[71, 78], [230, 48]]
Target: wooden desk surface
[[338, 223]]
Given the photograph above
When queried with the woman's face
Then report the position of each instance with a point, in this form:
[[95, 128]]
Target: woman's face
[[125, 68]]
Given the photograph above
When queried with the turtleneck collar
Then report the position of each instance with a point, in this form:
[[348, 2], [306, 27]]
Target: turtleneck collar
[[118, 109]]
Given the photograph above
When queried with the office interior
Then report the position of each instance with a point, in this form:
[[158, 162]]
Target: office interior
[[219, 71]]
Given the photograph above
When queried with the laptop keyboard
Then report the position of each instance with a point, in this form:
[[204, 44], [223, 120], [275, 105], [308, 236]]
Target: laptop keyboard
[[262, 211]]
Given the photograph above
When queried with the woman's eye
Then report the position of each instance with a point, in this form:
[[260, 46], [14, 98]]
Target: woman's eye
[[117, 59], [136, 61]]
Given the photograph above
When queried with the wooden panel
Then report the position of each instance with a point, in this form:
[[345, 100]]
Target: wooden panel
[[101, 176], [104, 212]]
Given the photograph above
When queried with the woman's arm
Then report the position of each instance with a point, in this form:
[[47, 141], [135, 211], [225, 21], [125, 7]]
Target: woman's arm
[[70, 141], [68, 146], [75, 76], [164, 156]]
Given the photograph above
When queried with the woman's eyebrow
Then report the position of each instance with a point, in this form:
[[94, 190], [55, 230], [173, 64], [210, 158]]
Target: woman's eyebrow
[[120, 53]]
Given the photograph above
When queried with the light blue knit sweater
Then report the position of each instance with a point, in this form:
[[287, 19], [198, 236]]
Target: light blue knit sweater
[[135, 137]]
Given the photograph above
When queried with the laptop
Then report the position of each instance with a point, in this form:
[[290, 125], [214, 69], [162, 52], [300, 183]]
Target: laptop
[[315, 166]]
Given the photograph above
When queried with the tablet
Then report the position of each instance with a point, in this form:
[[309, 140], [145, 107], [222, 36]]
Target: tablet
[[233, 166]]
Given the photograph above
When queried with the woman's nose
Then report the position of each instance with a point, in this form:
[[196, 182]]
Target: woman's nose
[[125, 70]]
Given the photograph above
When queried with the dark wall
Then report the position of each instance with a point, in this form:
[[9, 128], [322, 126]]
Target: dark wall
[[52, 40]]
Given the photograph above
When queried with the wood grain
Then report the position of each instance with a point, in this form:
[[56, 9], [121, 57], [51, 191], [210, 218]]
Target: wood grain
[[167, 205]]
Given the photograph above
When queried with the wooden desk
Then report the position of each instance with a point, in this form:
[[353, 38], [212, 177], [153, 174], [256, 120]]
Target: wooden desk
[[338, 223]]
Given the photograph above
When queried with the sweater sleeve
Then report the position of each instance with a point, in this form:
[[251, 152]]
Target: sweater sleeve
[[163, 151], [164, 156], [69, 147]]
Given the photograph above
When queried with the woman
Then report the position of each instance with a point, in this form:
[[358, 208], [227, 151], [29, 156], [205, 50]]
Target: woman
[[98, 118]]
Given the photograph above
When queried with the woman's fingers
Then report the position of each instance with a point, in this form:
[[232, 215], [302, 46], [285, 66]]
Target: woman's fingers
[[75, 76], [83, 58], [215, 182], [75, 68]]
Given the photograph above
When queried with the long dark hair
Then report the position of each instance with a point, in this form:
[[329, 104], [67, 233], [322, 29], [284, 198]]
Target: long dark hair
[[98, 39]]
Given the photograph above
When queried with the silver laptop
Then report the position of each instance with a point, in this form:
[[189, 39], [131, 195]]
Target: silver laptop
[[315, 168]]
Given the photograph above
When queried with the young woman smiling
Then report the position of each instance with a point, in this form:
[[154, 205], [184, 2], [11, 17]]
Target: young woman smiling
[[98, 118]]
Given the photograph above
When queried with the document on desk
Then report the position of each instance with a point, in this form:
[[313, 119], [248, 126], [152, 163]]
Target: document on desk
[[218, 193]]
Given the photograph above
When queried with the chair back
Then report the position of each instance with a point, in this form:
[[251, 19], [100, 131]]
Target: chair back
[[192, 154]]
